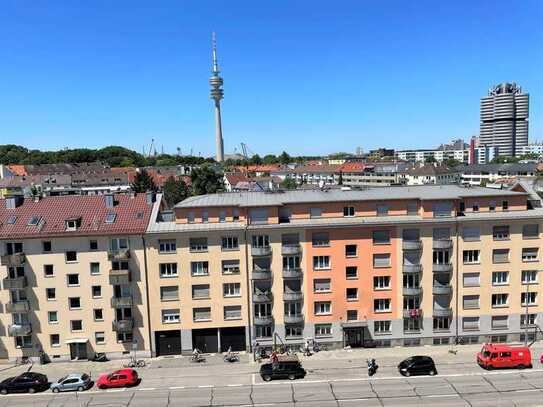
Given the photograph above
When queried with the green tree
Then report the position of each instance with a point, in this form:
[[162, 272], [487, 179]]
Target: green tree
[[255, 159], [284, 158], [175, 191], [430, 159], [451, 162], [269, 159], [289, 183], [143, 182], [206, 180]]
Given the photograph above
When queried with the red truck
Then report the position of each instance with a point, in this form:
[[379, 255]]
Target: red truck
[[499, 356]]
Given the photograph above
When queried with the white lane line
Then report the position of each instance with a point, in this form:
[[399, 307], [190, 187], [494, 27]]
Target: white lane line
[[205, 386], [115, 390], [437, 396], [147, 389], [176, 387], [526, 390], [234, 385], [361, 399], [253, 378]]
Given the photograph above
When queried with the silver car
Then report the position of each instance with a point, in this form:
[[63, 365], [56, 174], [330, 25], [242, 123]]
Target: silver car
[[72, 382]]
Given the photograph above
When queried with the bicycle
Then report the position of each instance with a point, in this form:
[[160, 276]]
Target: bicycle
[[23, 360], [136, 363]]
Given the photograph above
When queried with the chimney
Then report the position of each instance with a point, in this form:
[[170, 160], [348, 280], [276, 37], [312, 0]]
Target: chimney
[[14, 201], [109, 200], [150, 197]]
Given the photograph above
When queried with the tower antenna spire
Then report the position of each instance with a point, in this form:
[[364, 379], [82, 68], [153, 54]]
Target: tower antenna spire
[[217, 94], [214, 47]]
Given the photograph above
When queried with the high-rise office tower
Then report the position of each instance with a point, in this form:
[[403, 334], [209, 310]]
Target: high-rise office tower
[[217, 94], [504, 119]]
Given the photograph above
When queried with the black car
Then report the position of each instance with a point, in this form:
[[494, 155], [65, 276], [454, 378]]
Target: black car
[[418, 365], [27, 382], [285, 368]]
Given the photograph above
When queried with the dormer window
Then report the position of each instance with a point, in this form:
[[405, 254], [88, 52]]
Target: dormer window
[[73, 224], [34, 220], [110, 217], [12, 220]]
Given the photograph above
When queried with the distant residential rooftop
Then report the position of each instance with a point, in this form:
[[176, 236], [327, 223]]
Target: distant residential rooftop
[[422, 192]]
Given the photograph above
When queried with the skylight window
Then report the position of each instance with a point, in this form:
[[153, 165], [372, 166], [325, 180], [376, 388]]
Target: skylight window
[[110, 217], [12, 220], [34, 220], [139, 215]]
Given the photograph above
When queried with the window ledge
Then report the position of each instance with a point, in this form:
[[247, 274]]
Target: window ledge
[[382, 333], [202, 320]]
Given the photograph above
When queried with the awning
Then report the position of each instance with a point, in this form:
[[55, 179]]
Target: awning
[[77, 340], [354, 324]]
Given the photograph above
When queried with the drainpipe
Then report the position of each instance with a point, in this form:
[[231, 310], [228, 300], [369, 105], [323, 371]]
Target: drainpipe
[[248, 283], [457, 278], [147, 295]]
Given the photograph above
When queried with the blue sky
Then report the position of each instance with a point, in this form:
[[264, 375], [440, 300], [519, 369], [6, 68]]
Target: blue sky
[[309, 77]]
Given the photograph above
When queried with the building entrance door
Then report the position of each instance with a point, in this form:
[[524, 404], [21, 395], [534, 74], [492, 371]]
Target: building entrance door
[[168, 343], [78, 351], [354, 337]]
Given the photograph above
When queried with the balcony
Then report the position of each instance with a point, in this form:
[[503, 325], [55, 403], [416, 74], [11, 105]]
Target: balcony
[[261, 251], [119, 277], [263, 320], [412, 268], [290, 249], [123, 325], [442, 268], [120, 254], [12, 260], [443, 244], [120, 302], [412, 245], [261, 274], [441, 289], [293, 319], [412, 290], [19, 329], [262, 297], [442, 312], [16, 307], [292, 273], [412, 313], [293, 296], [16, 283]]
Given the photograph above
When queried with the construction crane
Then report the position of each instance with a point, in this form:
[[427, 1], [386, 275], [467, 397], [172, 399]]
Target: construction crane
[[245, 151]]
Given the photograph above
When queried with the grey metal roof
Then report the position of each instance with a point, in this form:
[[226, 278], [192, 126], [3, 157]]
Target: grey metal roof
[[494, 168], [422, 192]]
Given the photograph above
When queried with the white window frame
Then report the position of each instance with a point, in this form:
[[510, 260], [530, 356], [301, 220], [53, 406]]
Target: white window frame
[[323, 308]]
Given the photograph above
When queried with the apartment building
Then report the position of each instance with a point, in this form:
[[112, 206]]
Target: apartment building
[[73, 276]]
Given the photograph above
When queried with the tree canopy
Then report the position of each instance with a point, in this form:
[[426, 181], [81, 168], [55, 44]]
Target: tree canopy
[[175, 191], [206, 180], [143, 182]]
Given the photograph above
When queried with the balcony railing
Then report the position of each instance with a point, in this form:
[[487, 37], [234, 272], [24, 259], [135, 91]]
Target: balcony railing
[[16, 307], [16, 283], [412, 290], [123, 325], [412, 268], [442, 268], [120, 302], [261, 251], [263, 320], [12, 260], [412, 313], [293, 319], [442, 312], [293, 296], [19, 329], [261, 274], [442, 244], [292, 273], [412, 245], [441, 289], [262, 297], [120, 254], [119, 277], [290, 249]]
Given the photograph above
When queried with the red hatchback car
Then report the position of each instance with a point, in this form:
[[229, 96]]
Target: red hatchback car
[[119, 378]]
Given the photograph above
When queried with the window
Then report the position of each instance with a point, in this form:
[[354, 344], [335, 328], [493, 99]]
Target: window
[[412, 208], [73, 279], [381, 237], [529, 254], [323, 330], [118, 244], [291, 262], [381, 260], [351, 272], [381, 282], [169, 293], [381, 305], [74, 302], [71, 257], [500, 232], [500, 277], [411, 280], [235, 214], [232, 312], [199, 268], [167, 246], [348, 211], [94, 268], [46, 246], [442, 209], [230, 267], [263, 310], [76, 325], [382, 209], [475, 207], [529, 277], [34, 220], [471, 279], [100, 338], [110, 217], [471, 234], [505, 205], [198, 244], [315, 212], [258, 215], [321, 262], [500, 255], [381, 327], [470, 323], [352, 294], [263, 331], [441, 234], [350, 250], [168, 270], [51, 294], [52, 317], [201, 314], [98, 314], [323, 308], [471, 256], [442, 323], [527, 299], [492, 206], [190, 217], [54, 340], [93, 245], [500, 300], [205, 216], [352, 315], [470, 301], [230, 243], [96, 291], [261, 241], [222, 216], [412, 324], [320, 239], [23, 341], [528, 320], [48, 270], [321, 285], [410, 235], [293, 330], [231, 289], [500, 322], [170, 316], [530, 231]]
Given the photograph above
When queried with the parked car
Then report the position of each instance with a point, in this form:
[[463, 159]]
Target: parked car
[[27, 382], [418, 365], [286, 367], [500, 356], [72, 382], [119, 378]]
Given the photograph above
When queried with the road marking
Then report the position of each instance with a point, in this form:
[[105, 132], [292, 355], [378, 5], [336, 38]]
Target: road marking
[[362, 399], [234, 385], [176, 387], [436, 396], [147, 389], [253, 376], [205, 386], [526, 390], [115, 390]]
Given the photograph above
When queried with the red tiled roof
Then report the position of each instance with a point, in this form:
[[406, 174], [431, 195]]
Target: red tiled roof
[[91, 209], [17, 169], [233, 179]]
